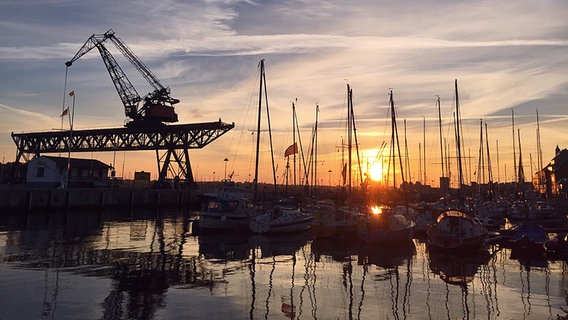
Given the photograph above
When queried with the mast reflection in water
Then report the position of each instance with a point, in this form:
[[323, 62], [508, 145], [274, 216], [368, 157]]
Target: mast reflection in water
[[152, 265]]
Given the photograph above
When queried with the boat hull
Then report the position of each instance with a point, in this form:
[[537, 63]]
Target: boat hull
[[369, 234], [223, 222], [281, 221], [387, 226], [226, 214]]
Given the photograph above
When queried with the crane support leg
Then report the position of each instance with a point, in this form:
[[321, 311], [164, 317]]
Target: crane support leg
[[166, 165]]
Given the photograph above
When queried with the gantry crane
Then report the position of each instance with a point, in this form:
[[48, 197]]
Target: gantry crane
[[157, 106], [146, 128]]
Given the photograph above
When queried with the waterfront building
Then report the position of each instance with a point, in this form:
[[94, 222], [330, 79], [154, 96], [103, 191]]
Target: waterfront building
[[49, 172]]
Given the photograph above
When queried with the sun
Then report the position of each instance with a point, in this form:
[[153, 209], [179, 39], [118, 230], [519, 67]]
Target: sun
[[376, 172]]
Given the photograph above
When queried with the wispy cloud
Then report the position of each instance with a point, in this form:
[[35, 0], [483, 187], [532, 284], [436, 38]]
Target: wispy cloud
[[505, 55]]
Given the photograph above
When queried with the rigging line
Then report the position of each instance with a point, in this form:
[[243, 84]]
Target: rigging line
[[269, 131], [243, 118], [356, 140], [302, 155]]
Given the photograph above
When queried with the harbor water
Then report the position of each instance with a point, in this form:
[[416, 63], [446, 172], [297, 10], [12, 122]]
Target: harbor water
[[136, 264]]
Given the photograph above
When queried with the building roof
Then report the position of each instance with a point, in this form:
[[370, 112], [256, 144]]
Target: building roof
[[78, 162], [559, 160]]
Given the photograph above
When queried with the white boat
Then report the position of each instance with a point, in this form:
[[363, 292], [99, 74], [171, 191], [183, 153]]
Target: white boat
[[456, 229], [226, 214], [278, 220]]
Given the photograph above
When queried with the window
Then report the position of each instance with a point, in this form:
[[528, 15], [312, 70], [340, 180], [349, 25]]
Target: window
[[40, 172]]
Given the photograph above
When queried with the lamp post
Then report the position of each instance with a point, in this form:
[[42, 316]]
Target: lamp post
[[329, 172], [226, 160]]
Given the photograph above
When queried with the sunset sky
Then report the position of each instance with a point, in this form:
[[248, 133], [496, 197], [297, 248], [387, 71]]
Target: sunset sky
[[506, 55]]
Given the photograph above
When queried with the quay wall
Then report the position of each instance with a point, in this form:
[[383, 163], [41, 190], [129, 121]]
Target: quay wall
[[17, 197]]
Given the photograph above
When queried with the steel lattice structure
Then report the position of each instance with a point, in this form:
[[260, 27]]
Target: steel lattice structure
[[173, 140]]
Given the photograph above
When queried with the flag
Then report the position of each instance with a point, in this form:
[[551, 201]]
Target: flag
[[72, 93], [291, 150], [64, 113]]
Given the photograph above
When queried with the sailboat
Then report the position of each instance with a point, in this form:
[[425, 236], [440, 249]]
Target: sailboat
[[333, 218], [282, 217], [388, 223], [456, 228]]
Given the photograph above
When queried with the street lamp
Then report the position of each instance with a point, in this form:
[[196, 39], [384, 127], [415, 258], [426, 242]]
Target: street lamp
[[329, 172], [226, 160]]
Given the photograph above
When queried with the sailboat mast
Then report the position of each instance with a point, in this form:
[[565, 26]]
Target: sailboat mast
[[498, 165], [349, 133], [489, 170], [343, 169], [406, 159], [458, 136], [521, 174], [441, 144], [538, 146], [392, 153], [395, 142], [315, 183], [294, 139], [270, 134], [480, 164], [255, 182], [514, 147], [424, 144]]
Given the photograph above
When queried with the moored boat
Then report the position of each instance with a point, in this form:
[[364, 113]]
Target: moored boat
[[528, 240], [557, 247], [279, 220], [332, 220], [456, 229], [384, 224], [389, 223], [226, 214]]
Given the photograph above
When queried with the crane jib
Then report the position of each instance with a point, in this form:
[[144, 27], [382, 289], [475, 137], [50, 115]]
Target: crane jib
[[157, 106]]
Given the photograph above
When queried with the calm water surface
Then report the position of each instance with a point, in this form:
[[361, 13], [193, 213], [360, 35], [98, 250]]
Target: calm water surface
[[152, 265]]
